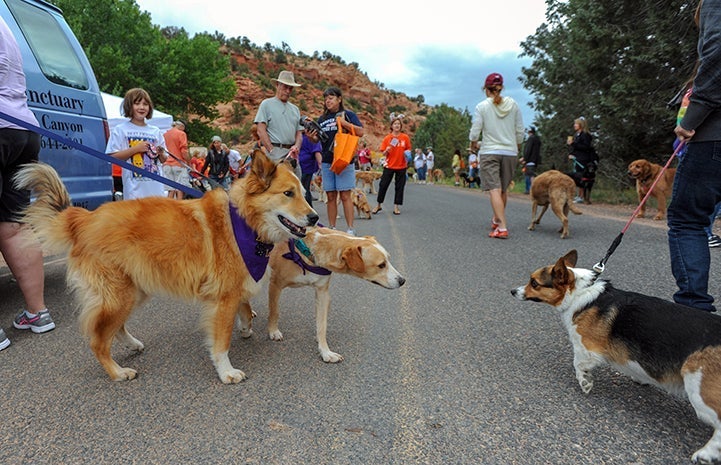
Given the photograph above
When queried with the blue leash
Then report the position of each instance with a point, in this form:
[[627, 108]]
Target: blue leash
[[105, 157]]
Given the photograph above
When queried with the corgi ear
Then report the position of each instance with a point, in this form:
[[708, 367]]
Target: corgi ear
[[353, 259], [571, 258], [561, 274]]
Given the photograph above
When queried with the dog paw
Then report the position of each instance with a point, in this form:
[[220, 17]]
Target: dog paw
[[705, 457], [640, 215], [586, 385], [331, 357], [245, 333], [125, 374], [275, 335], [232, 376], [658, 217], [532, 227]]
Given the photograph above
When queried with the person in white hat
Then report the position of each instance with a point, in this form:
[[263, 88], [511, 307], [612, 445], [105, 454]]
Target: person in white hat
[[278, 121]]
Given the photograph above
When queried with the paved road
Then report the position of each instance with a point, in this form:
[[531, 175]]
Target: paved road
[[449, 369]]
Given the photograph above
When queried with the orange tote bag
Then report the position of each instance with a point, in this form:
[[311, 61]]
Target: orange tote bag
[[344, 149]]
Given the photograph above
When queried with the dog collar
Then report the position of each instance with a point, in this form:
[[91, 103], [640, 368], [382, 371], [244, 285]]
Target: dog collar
[[292, 255], [254, 252]]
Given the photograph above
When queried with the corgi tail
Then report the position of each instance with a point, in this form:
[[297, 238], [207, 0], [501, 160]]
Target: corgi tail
[[43, 215]]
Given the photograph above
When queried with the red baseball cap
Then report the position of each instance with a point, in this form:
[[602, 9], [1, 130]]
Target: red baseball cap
[[494, 79]]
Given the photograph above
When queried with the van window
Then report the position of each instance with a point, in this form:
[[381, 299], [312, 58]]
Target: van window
[[49, 43]]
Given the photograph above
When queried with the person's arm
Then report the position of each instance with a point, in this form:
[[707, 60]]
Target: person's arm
[[130, 151], [263, 137], [355, 124], [475, 131]]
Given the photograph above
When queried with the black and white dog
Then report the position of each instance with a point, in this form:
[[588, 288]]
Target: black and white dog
[[652, 340]]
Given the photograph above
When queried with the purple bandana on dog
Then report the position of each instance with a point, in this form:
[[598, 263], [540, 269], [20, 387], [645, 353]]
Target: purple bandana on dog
[[255, 253]]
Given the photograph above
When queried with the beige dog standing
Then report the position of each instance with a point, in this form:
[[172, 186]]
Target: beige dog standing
[[336, 252], [122, 253], [645, 172], [360, 202], [557, 190], [367, 180]]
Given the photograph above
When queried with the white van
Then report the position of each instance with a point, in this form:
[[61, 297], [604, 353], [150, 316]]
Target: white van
[[64, 95]]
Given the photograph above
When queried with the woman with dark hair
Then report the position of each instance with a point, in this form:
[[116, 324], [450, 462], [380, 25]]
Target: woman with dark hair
[[344, 182], [393, 147]]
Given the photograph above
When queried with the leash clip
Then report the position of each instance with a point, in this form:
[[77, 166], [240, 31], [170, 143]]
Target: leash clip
[[599, 267]]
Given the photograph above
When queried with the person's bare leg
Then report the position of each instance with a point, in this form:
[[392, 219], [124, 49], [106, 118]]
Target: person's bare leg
[[332, 207], [25, 261], [348, 211], [498, 204]]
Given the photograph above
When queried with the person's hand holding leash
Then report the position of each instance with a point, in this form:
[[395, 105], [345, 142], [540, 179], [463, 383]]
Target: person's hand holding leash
[[683, 134]]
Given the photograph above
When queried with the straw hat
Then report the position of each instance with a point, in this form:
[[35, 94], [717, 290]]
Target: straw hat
[[287, 78]]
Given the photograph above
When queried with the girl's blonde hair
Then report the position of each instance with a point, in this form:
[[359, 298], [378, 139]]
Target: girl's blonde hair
[[135, 95]]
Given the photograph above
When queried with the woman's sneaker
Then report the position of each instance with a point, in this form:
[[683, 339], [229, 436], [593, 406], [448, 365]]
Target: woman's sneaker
[[4, 341], [40, 323], [714, 241]]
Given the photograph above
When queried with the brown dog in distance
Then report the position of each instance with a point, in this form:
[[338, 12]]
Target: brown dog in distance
[[645, 172], [557, 190]]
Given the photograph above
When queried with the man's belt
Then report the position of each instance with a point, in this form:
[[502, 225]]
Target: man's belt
[[282, 146]]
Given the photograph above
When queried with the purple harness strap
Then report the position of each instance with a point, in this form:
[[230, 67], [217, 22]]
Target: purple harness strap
[[255, 253], [294, 256]]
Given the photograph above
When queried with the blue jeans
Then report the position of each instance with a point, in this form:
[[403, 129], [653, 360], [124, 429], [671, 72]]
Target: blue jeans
[[716, 212], [696, 191]]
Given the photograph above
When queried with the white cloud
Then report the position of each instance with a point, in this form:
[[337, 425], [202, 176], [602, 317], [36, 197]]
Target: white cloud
[[441, 50]]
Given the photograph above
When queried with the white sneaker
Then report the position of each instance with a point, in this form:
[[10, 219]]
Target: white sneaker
[[4, 341], [351, 232]]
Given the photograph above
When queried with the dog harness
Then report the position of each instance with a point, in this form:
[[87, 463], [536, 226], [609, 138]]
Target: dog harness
[[294, 256], [254, 252]]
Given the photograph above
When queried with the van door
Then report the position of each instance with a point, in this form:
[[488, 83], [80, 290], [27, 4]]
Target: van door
[[64, 95]]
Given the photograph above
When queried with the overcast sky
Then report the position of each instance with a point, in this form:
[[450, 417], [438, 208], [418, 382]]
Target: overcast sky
[[441, 50]]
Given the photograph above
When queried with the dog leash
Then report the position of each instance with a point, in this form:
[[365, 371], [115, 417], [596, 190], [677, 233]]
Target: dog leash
[[102, 156], [599, 267]]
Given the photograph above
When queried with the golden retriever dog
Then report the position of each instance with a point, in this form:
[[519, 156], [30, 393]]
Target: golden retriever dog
[[124, 252], [437, 175], [310, 262], [367, 179], [557, 190], [645, 172], [360, 202]]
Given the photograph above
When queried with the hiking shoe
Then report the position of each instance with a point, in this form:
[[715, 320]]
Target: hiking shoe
[[578, 200], [351, 232], [40, 323], [714, 241], [494, 225], [4, 341], [498, 234]]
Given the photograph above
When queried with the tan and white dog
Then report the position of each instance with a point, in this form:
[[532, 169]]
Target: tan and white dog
[[311, 262], [654, 341], [122, 253]]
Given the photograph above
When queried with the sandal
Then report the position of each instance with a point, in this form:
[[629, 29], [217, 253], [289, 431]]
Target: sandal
[[377, 209], [396, 212]]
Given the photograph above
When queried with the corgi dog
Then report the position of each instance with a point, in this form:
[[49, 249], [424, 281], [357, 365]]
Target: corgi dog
[[654, 341]]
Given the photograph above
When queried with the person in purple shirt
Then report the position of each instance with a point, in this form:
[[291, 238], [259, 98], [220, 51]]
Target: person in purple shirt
[[309, 158]]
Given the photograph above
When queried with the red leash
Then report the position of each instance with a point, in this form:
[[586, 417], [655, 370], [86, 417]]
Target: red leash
[[600, 266]]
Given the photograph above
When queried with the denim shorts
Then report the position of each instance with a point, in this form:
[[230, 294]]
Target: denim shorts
[[344, 181]]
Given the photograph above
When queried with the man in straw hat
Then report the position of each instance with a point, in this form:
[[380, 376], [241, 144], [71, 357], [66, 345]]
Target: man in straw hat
[[278, 121]]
